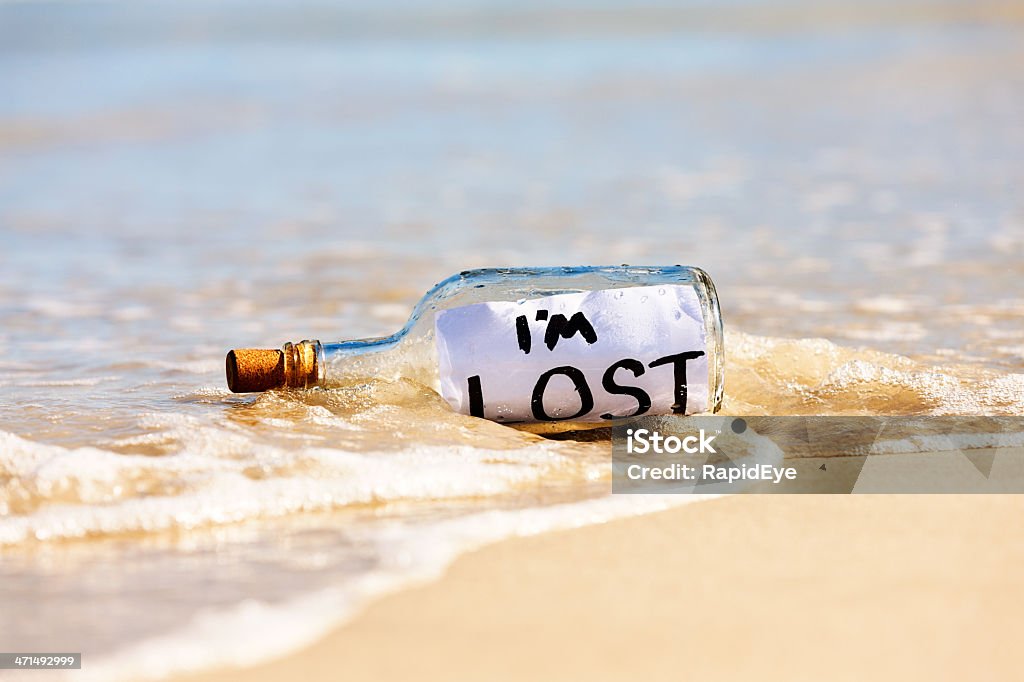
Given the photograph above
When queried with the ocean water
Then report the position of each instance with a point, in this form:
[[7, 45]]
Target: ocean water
[[178, 179]]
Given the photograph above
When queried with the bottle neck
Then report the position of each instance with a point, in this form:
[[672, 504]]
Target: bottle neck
[[334, 360]]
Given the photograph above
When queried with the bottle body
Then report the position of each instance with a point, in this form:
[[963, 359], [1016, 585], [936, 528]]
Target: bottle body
[[551, 344]]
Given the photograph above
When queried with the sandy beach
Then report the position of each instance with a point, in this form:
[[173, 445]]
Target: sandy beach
[[754, 587]]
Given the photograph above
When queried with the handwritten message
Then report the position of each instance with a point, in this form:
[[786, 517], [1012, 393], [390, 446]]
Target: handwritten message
[[588, 356]]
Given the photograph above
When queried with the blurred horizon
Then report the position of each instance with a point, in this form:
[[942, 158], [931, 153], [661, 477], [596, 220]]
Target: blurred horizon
[[178, 144]]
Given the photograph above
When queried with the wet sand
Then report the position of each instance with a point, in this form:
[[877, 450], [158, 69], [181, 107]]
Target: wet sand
[[753, 587]]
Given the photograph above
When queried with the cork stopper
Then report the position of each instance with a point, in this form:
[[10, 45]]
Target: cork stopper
[[250, 370], [254, 369]]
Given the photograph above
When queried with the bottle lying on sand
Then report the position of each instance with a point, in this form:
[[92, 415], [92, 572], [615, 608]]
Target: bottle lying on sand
[[581, 344]]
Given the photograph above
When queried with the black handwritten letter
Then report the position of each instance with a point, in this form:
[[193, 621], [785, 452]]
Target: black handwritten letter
[[476, 397], [643, 401], [678, 362], [523, 333], [580, 383], [559, 327]]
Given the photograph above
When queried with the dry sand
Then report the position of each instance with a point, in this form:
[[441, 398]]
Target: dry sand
[[751, 588]]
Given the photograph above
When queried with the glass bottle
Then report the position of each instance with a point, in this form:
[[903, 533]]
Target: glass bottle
[[533, 344]]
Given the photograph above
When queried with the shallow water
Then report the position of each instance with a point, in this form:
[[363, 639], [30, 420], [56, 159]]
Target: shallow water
[[179, 180]]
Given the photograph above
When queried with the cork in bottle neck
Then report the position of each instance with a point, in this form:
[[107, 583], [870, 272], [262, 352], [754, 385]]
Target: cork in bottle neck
[[251, 370]]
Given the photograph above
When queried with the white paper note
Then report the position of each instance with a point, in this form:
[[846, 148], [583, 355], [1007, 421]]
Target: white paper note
[[586, 356]]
